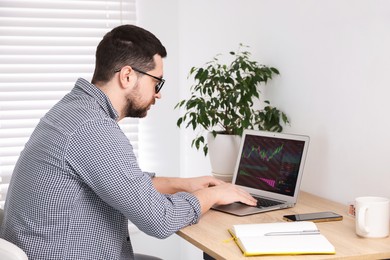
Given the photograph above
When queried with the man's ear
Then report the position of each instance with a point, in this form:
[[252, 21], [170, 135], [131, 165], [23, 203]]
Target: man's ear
[[127, 77]]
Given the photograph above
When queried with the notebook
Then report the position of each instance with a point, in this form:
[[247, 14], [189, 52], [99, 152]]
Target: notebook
[[270, 167], [281, 238]]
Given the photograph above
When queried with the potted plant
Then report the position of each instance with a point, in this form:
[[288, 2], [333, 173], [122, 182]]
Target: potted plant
[[222, 103]]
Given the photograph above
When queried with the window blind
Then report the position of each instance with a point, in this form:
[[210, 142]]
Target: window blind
[[45, 46]]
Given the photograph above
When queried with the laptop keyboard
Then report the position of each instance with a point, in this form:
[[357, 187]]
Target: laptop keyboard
[[264, 203]]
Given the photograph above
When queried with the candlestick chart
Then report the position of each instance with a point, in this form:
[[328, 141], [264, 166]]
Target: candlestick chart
[[262, 153]]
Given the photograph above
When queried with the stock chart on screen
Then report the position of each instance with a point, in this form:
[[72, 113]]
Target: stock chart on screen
[[270, 164]]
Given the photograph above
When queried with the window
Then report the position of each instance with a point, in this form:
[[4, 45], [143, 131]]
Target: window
[[45, 46]]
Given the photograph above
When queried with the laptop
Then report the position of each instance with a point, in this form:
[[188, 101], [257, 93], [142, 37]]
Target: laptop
[[270, 167]]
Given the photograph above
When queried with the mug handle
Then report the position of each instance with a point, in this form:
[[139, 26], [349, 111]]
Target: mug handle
[[362, 219]]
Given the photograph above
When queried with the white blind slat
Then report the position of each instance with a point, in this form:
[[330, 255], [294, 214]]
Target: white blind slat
[[12, 142], [30, 95], [6, 171], [22, 105], [41, 86], [47, 41], [45, 46], [57, 23], [46, 50], [46, 59], [15, 133], [48, 77], [13, 115]]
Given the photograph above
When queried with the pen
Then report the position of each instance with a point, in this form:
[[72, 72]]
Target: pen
[[289, 233]]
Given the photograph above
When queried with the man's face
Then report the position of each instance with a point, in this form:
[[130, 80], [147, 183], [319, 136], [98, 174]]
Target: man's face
[[143, 95]]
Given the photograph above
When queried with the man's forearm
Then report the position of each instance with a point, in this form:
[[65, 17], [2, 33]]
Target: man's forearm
[[168, 185]]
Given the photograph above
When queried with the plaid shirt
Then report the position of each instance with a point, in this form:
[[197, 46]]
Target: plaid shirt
[[77, 182]]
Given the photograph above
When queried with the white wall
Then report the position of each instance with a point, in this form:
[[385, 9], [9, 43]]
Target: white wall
[[334, 59], [158, 130]]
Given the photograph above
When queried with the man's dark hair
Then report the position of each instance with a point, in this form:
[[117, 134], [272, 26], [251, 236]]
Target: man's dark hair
[[126, 45]]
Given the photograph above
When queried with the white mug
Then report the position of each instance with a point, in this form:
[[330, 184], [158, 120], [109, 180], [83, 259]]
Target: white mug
[[372, 216]]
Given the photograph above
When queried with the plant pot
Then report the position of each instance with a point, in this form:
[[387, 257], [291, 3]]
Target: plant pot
[[223, 152]]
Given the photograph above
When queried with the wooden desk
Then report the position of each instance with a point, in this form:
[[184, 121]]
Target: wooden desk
[[211, 231]]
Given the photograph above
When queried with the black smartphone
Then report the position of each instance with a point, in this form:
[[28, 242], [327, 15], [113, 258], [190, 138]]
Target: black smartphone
[[315, 217]]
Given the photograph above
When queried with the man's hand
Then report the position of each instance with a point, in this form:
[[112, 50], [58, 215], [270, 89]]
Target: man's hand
[[207, 189], [198, 183], [221, 195]]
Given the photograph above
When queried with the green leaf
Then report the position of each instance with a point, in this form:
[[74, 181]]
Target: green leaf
[[179, 121], [274, 70], [205, 150]]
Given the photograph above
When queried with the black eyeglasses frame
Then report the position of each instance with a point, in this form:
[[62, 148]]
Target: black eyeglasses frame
[[160, 83]]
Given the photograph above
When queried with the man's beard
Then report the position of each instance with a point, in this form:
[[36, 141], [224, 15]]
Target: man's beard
[[133, 109]]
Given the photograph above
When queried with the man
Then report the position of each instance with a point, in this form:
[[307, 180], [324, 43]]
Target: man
[[77, 181]]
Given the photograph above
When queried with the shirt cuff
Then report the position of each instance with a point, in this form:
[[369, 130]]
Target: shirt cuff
[[151, 174], [194, 202]]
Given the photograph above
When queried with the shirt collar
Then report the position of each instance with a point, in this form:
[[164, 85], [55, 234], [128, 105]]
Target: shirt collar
[[101, 98]]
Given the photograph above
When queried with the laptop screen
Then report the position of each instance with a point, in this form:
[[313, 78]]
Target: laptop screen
[[270, 163]]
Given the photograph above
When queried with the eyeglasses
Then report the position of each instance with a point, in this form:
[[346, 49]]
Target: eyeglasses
[[159, 84]]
